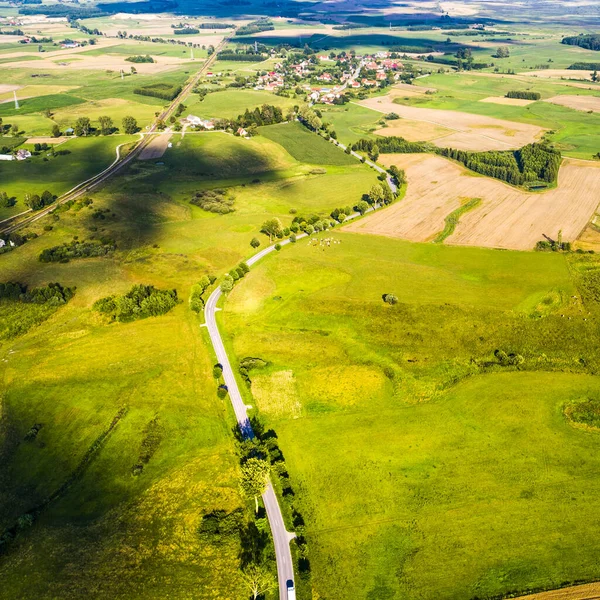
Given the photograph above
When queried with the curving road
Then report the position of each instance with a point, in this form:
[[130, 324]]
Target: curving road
[[281, 536]]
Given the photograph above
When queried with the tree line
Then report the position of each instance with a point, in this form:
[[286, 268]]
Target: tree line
[[523, 95], [76, 249], [164, 91], [53, 293], [587, 41]]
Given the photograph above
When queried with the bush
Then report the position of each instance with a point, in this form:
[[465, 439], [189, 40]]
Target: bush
[[277, 247], [75, 249], [215, 201]]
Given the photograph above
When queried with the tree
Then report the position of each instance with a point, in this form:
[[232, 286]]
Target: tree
[[82, 126], [503, 52], [595, 76], [133, 70], [272, 228], [390, 299], [255, 242], [258, 579], [255, 478], [130, 125], [34, 202], [14, 130], [106, 125], [227, 284], [362, 207], [55, 130], [376, 195], [6, 201]]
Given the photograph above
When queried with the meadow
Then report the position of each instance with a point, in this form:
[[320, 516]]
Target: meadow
[[138, 535], [428, 464]]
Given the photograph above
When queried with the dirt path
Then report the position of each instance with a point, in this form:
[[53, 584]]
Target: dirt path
[[472, 132], [156, 148], [506, 218]]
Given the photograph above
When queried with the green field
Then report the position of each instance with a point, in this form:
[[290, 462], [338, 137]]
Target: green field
[[58, 174], [229, 104], [139, 535], [427, 469], [153, 49]]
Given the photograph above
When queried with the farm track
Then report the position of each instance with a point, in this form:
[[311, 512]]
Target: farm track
[[13, 224]]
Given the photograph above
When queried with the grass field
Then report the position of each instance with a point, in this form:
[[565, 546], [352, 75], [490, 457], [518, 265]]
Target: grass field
[[229, 104], [426, 469], [88, 156], [305, 146], [74, 372]]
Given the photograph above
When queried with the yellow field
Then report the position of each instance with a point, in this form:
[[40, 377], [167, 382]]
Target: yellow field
[[506, 218]]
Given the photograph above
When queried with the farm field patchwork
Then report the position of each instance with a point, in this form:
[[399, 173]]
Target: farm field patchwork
[[506, 218]]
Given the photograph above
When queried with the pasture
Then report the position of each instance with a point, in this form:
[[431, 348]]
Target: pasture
[[426, 468], [506, 218]]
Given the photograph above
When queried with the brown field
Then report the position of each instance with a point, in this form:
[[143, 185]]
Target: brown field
[[401, 90], [414, 131], [585, 103], [48, 140], [156, 148], [507, 101], [506, 218], [589, 591], [6, 88], [473, 132], [558, 73]]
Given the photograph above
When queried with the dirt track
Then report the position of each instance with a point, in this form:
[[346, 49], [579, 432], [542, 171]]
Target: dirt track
[[506, 218], [472, 132], [156, 148]]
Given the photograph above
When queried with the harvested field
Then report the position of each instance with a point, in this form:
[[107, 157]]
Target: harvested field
[[405, 90], [414, 131], [156, 148], [559, 73], [33, 91], [589, 591], [474, 132], [6, 88], [585, 103], [506, 218], [48, 140], [507, 101]]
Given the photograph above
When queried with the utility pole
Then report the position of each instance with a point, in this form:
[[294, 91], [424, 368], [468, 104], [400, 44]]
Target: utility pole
[[16, 101]]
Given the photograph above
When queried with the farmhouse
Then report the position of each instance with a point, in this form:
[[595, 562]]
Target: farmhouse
[[198, 122], [23, 154]]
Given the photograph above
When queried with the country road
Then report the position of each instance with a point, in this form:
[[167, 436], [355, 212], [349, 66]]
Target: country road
[[13, 224], [281, 537]]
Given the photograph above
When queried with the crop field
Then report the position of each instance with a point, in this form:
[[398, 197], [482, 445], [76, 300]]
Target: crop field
[[506, 217], [426, 469], [469, 132], [586, 103]]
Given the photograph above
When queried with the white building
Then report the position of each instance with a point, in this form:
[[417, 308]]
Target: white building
[[7, 157]]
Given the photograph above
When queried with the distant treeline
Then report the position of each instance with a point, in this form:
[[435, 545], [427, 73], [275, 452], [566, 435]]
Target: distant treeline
[[186, 31], [523, 95], [62, 10], [241, 57], [164, 91], [11, 32], [584, 66], [534, 162], [140, 59], [255, 27], [54, 293], [587, 41], [412, 49], [455, 62]]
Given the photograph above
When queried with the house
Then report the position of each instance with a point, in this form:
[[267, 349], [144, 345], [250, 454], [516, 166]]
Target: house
[[242, 132], [69, 131], [23, 154], [372, 66], [368, 82], [325, 77], [2, 243], [380, 76], [355, 84], [7, 157], [70, 45], [314, 96], [198, 122]]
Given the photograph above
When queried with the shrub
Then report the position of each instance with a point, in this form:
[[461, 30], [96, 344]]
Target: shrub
[[139, 302], [215, 201], [277, 247]]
